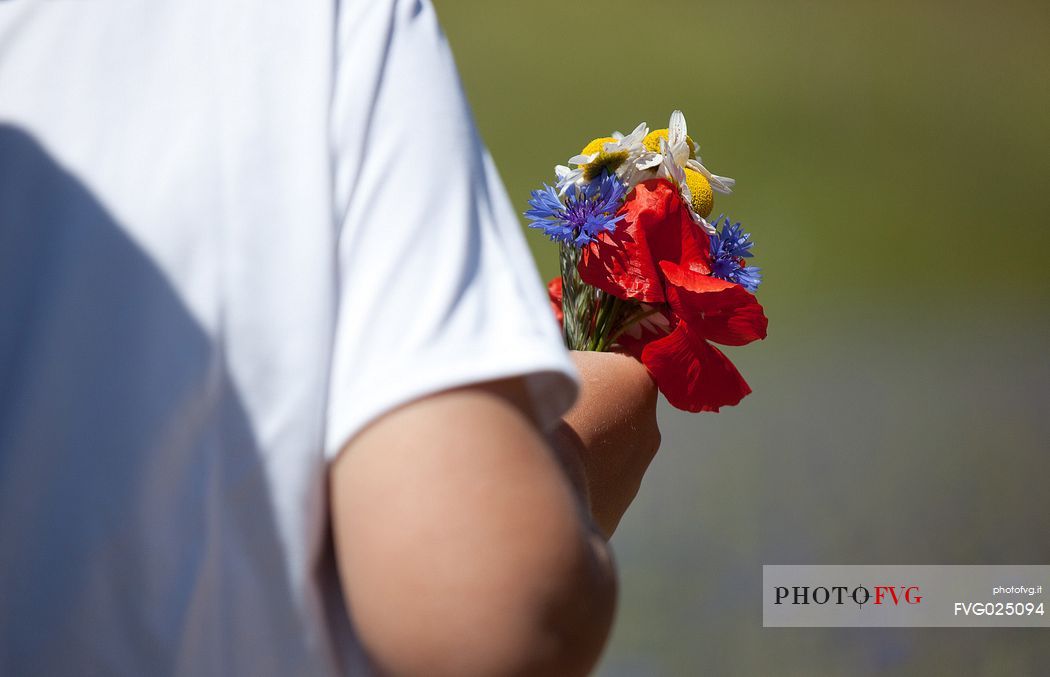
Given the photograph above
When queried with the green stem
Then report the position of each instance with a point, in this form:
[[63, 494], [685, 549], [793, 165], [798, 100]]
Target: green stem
[[613, 310], [608, 313], [590, 314], [577, 304]]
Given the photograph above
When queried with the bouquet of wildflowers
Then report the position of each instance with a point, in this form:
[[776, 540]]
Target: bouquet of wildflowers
[[644, 271]]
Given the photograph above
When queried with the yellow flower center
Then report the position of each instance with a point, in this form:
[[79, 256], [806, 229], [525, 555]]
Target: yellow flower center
[[596, 145], [703, 198], [652, 141], [610, 161]]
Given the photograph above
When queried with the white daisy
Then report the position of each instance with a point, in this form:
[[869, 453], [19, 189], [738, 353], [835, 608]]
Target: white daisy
[[671, 169], [613, 153], [687, 157], [672, 155], [683, 149]]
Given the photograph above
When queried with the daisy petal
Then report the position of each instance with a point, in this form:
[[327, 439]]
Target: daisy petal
[[676, 129], [723, 184], [635, 137], [648, 160]]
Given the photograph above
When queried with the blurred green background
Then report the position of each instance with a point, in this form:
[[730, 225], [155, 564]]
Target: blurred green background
[[892, 161]]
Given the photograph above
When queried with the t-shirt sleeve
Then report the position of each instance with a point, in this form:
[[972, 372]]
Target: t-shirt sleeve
[[436, 286]]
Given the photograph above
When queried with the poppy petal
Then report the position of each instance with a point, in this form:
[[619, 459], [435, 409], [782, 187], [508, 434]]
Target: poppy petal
[[692, 374], [715, 309], [554, 294]]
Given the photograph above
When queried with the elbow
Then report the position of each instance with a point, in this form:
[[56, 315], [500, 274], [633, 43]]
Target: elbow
[[567, 625], [549, 620]]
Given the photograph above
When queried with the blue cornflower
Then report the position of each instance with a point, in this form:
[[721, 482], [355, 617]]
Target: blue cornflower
[[729, 247], [584, 212]]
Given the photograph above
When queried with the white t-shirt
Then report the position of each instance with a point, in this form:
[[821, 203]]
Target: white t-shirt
[[231, 234]]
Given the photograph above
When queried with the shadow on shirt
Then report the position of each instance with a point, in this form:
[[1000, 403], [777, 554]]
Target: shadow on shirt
[[137, 531]]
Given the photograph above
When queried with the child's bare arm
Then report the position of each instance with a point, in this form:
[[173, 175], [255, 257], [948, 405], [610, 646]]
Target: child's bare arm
[[463, 546]]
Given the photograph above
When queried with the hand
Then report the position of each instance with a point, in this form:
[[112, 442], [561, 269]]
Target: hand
[[608, 439]]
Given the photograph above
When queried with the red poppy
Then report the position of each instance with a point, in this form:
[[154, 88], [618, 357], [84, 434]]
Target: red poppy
[[691, 373], [656, 227], [659, 256], [554, 294]]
